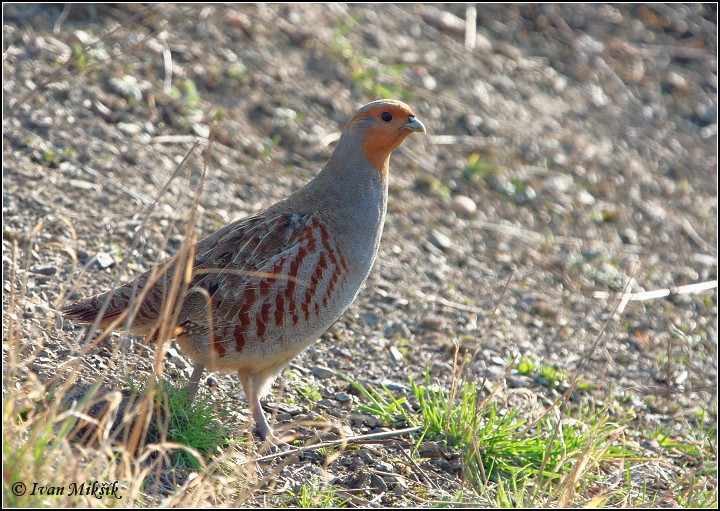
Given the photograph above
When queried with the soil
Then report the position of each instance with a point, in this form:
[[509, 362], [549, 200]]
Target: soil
[[570, 156]]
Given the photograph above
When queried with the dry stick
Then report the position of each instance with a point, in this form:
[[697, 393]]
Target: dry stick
[[356, 500], [470, 26], [369, 438], [13, 352], [419, 469], [662, 293], [475, 141], [448, 303], [454, 383], [690, 230], [619, 83], [167, 61], [61, 19], [528, 235], [462, 504], [650, 51]]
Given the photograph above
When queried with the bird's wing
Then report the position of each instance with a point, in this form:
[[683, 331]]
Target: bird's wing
[[226, 262]]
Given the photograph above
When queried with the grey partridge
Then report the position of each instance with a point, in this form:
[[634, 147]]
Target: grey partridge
[[277, 280]]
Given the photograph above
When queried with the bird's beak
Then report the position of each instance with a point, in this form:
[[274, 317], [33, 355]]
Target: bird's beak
[[415, 125]]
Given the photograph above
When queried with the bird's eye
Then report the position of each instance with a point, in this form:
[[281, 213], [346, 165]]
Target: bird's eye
[[386, 116]]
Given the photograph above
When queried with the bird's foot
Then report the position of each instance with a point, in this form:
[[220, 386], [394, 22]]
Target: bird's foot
[[270, 443]]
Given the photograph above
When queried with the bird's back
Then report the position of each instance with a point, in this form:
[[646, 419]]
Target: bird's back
[[273, 282]]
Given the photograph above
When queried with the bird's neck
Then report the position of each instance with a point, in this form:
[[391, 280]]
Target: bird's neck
[[349, 179], [350, 197]]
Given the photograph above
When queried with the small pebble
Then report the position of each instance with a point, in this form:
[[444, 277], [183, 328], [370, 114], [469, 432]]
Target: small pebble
[[377, 484], [629, 236], [130, 128], [584, 197], [440, 240], [84, 185], [366, 456], [358, 419], [44, 269], [463, 205], [176, 359], [342, 397], [322, 372], [327, 403], [429, 450], [395, 355], [101, 261], [385, 466]]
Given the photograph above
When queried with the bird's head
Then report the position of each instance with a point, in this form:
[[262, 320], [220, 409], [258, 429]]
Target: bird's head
[[381, 127]]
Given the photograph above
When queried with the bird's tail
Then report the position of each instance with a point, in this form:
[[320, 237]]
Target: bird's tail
[[142, 298], [88, 309]]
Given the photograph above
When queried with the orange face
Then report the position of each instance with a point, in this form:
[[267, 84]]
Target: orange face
[[386, 124]]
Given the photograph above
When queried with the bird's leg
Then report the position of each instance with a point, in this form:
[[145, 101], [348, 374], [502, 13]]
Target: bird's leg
[[192, 386], [262, 428]]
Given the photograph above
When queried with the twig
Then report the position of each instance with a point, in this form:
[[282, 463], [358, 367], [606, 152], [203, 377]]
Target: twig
[[457, 503], [527, 234], [471, 140], [680, 52], [694, 235], [662, 293], [650, 51], [448, 303], [355, 500], [442, 20], [61, 19], [353, 439], [167, 61], [470, 26], [428, 480]]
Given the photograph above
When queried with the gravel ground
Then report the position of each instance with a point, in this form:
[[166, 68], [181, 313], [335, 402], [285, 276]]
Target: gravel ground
[[570, 155]]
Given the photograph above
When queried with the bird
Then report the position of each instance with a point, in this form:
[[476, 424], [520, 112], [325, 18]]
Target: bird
[[265, 287]]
